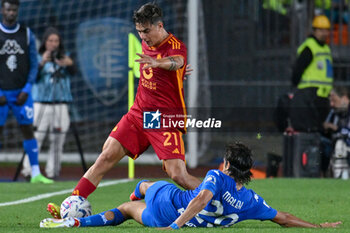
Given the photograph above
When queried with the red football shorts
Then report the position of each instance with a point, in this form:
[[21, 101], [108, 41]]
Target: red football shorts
[[130, 133]]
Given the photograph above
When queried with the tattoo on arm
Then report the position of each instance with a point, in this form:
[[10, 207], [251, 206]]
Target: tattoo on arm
[[173, 65]]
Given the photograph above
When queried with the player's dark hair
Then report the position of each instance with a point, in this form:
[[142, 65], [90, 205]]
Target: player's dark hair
[[148, 13], [240, 158], [341, 91], [48, 32], [12, 2]]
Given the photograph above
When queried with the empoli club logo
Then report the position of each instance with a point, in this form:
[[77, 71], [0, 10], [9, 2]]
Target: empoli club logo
[[102, 50]]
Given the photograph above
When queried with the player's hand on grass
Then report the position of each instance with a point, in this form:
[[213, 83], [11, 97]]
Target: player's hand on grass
[[147, 60], [21, 98], [188, 71], [330, 224], [2, 100]]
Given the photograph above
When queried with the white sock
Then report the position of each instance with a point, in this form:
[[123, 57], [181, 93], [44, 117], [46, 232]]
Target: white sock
[[35, 170]]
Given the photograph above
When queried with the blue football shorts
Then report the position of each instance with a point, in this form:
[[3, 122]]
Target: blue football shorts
[[24, 113], [160, 210]]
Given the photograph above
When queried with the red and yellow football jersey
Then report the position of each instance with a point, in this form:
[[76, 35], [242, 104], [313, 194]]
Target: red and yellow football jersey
[[161, 89]]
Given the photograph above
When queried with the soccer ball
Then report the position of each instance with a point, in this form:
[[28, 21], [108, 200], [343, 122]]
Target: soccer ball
[[76, 207]]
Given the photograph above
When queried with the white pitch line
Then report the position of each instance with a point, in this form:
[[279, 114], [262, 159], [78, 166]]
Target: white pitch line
[[46, 195]]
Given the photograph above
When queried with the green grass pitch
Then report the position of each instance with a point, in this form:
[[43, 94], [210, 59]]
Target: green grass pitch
[[315, 200]]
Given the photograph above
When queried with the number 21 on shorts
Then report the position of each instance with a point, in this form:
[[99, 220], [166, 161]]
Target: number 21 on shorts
[[174, 139], [169, 136]]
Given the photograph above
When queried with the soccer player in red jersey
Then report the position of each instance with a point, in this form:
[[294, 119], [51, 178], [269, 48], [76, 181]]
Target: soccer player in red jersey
[[163, 63]]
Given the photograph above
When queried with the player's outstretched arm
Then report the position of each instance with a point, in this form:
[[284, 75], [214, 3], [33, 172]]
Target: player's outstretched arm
[[194, 207], [288, 220], [166, 63]]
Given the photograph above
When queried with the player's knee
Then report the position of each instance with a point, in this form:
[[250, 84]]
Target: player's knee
[[109, 215], [125, 209], [107, 157], [105, 160], [112, 150]]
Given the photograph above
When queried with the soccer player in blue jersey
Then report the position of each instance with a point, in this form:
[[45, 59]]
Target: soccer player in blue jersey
[[18, 70], [220, 200]]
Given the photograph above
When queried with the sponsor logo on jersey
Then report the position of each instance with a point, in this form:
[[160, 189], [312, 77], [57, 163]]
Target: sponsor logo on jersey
[[266, 204], [11, 63], [211, 179], [176, 151], [256, 197], [11, 47]]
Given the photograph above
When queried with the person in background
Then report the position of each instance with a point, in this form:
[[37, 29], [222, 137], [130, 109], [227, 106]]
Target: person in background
[[18, 70], [313, 77], [338, 125], [51, 95]]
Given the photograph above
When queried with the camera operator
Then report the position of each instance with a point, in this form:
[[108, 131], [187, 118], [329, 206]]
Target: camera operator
[[52, 94], [338, 125]]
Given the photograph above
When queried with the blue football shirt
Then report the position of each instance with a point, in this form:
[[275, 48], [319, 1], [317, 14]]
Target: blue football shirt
[[228, 205]]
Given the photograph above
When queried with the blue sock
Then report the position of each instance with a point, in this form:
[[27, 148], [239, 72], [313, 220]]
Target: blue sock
[[137, 190], [31, 148], [100, 219]]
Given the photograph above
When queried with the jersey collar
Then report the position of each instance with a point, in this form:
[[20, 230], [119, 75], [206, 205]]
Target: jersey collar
[[11, 30], [163, 42]]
